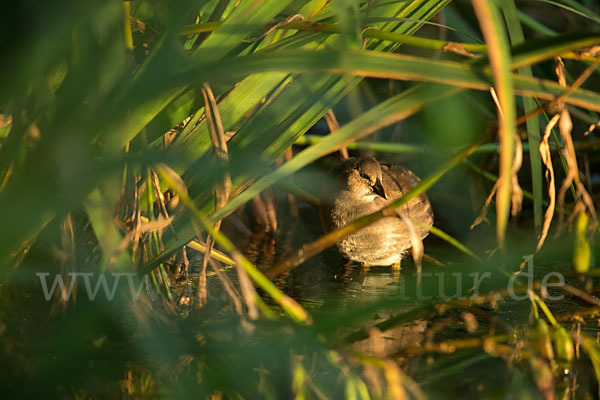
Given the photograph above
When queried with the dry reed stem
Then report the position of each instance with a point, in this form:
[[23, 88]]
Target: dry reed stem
[[136, 217], [516, 197], [516, 192], [333, 125], [265, 210], [68, 257], [162, 203], [496, 100], [248, 291], [271, 208], [415, 239], [486, 204], [215, 129], [288, 155], [222, 191], [143, 226], [547, 161], [560, 99], [565, 126], [184, 300], [295, 17], [458, 48], [584, 200], [229, 287]]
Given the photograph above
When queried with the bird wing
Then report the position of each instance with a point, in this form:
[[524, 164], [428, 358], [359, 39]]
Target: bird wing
[[398, 180]]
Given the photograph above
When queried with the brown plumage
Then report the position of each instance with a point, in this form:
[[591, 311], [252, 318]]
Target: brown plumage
[[363, 185]]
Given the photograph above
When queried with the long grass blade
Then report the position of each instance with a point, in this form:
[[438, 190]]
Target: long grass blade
[[388, 112], [533, 127], [499, 54]]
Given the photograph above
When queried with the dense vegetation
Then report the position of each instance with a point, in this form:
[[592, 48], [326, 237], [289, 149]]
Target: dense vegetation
[[175, 151]]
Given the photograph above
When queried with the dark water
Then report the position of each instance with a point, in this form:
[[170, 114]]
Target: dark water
[[379, 312], [330, 288]]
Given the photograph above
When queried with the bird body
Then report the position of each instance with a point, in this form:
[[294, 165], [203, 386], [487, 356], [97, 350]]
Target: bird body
[[363, 186]]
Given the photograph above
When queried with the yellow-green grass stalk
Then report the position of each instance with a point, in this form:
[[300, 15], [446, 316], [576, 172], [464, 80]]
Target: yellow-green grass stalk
[[499, 54]]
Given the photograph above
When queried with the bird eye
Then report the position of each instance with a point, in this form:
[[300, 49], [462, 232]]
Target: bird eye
[[365, 176]]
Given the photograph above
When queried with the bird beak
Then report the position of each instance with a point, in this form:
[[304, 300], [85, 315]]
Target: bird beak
[[378, 189]]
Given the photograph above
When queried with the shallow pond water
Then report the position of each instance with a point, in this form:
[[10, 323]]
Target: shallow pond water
[[330, 289]]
